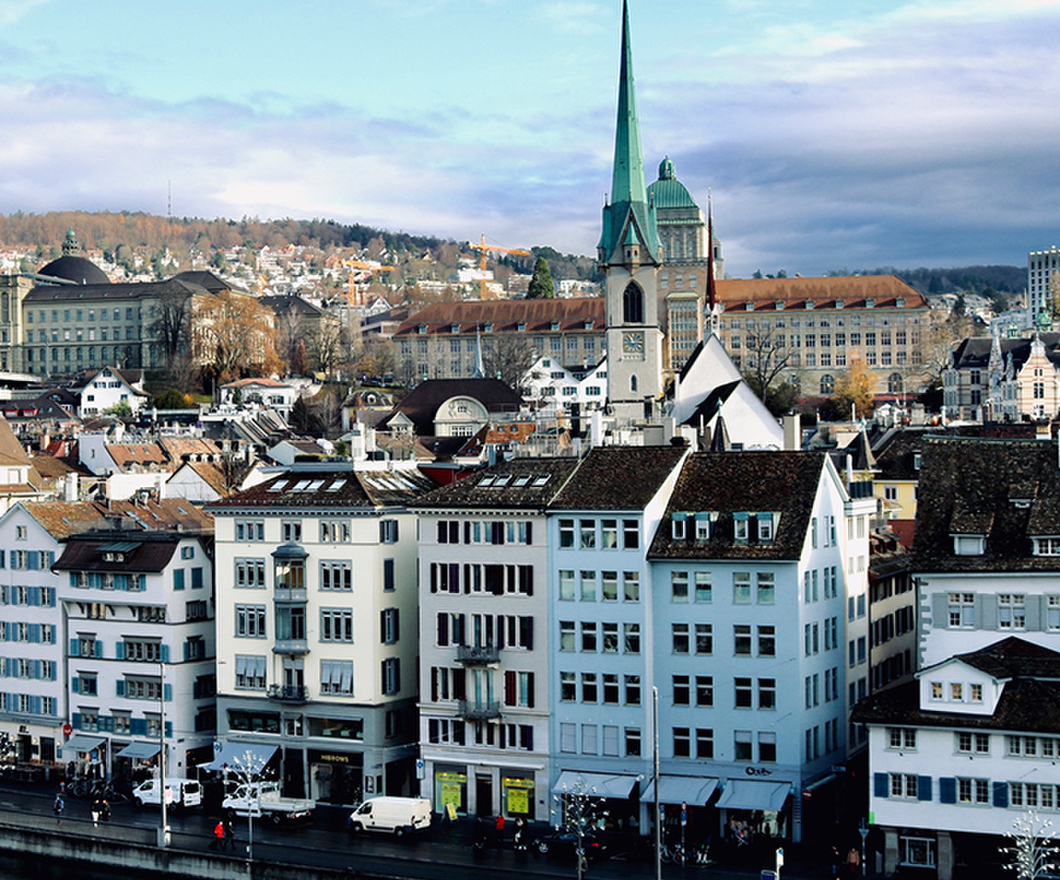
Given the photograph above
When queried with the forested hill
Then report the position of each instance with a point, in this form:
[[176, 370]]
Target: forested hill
[[969, 279], [115, 233]]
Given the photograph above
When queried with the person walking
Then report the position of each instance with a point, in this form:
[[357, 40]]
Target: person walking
[[218, 842], [59, 805], [97, 808], [230, 834], [104, 811]]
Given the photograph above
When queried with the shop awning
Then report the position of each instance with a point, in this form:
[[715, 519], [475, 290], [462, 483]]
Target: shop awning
[[746, 794], [693, 790], [140, 750], [241, 756], [606, 785], [79, 744]]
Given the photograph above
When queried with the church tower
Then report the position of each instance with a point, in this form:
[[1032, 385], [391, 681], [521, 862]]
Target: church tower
[[629, 253]]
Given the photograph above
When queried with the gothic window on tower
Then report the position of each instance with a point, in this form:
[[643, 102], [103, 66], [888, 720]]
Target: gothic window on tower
[[633, 305]]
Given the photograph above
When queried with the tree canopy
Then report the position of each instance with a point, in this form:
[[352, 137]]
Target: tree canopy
[[541, 286]]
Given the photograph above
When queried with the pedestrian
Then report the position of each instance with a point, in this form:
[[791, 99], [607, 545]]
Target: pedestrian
[[59, 805], [104, 812], [853, 862], [218, 842], [97, 808], [62, 787], [230, 834], [498, 826]]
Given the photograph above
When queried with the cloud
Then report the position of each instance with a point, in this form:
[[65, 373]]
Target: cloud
[[12, 11]]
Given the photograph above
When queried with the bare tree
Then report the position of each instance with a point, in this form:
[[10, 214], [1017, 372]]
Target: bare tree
[[172, 326], [507, 357], [1033, 850], [765, 362], [233, 335], [580, 811]]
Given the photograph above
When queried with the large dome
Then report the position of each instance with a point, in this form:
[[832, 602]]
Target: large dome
[[668, 191], [71, 267]]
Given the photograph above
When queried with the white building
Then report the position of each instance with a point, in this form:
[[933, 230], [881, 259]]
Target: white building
[[316, 613], [556, 388], [32, 651], [110, 388], [957, 756], [1042, 266], [140, 656], [484, 652]]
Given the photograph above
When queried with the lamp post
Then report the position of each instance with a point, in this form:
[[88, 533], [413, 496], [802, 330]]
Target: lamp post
[[163, 831], [655, 761]]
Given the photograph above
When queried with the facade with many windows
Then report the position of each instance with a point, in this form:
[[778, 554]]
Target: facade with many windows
[[316, 622], [484, 647]]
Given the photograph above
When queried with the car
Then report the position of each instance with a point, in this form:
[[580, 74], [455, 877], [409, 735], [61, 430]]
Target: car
[[564, 844]]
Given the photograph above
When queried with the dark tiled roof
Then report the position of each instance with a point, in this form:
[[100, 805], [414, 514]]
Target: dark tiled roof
[[735, 482], [1030, 700], [975, 350], [521, 487], [896, 454], [619, 477], [151, 552], [421, 404], [340, 489], [283, 305], [1007, 490], [133, 290]]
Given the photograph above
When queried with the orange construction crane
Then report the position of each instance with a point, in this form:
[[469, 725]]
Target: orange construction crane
[[483, 250], [361, 272]]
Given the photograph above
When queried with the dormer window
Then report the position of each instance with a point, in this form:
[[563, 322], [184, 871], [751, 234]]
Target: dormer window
[[521, 326], [870, 303], [679, 526], [969, 545], [588, 325], [1049, 546], [765, 526], [900, 302], [454, 328], [741, 528], [809, 304], [422, 328], [554, 326], [779, 305], [487, 328], [839, 303], [703, 525], [750, 307]]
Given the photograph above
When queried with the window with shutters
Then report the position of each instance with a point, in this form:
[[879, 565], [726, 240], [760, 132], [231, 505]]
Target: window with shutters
[[389, 626]]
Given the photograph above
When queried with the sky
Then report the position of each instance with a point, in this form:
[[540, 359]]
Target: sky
[[831, 136]]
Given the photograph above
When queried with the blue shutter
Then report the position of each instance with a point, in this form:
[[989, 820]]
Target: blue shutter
[[119, 687], [119, 650], [51, 558], [33, 596], [73, 647], [37, 671], [923, 788], [35, 705], [73, 579], [98, 648], [881, 785], [167, 692], [34, 632], [1001, 794], [169, 729], [196, 578], [8, 663], [4, 597], [141, 582], [34, 559], [138, 726], [947, 790], [178, 579], [187, 651], [75, 721], [75, 684], [165, 653]]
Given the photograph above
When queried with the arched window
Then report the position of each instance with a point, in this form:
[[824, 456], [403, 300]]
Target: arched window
[[633, 384], [633, 305], [827, 384], [894, 383]]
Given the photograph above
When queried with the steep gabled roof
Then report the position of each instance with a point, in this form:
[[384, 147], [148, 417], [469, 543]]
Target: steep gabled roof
[[1007, 490], [728, 483], [61, 519], [619, 477]]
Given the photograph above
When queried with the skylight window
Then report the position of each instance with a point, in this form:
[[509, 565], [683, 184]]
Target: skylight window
[[521, 481], [338, 484], [502, 481], [278, 486], [487, 481], [316, 484], [540, 481], [301, 486]]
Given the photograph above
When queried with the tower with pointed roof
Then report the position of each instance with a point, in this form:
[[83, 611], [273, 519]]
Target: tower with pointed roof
[[630, 254]]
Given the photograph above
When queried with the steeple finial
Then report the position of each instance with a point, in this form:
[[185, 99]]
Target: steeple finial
[[713, 308]]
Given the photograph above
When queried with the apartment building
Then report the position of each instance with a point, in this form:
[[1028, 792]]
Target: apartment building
[[485, 681], [316, 618]]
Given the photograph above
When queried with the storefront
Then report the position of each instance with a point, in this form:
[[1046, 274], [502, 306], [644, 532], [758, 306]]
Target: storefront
[[686, 818], [518, 790], [336, 777], [753, 808], [450, 789], [619, 792]]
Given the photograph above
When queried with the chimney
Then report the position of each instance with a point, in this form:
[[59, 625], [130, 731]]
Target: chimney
[[792, 440]]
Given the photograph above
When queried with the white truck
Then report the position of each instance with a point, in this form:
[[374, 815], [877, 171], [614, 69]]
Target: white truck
[[263, 799], [392, 815]]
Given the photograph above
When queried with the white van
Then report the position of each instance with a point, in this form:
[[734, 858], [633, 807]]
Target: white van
[[395, 815], [185, 793]]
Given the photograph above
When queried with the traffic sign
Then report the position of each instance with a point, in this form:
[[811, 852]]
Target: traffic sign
[[67, 729]]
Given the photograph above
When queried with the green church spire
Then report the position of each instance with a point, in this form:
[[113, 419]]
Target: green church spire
[[629, 198]]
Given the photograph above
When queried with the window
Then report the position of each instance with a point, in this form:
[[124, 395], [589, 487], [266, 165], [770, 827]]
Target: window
[[631, 632], [391, 671], [767, 693], [589, 636], [250, 672], [291, 531], [336, 677], [250, 621], [742, 688], [903, 785], [766, 587], [679, 586], [566, 534], [742, 744], [587, 534], [388, 626], [250, 573], [704, 743], [682, 742], [566, 635], [741, 634], [609, 534], [588, 586], [388, 531], [767, 641], [589, 689], [767, 747], [682, 694], [632, 742], [336, 625], [568, 689], [336, 575], [703, 587], [632, 683], [250, 530], [566, 585], [903, 738], [609, 586], [704, 690], [679, 634], [630, 534], [973, 791], [610, 639], [631, 586], [741, 587], [1011, 611], [611, 688], [704, 638]]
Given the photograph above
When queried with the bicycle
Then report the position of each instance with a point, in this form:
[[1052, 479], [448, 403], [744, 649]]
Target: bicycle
[[672, 854]]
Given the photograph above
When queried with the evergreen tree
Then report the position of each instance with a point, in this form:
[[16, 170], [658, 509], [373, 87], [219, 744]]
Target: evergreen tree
[[541, 282]]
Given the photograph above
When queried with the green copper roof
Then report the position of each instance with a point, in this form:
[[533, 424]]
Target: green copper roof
[[628, 193], [668, 191]]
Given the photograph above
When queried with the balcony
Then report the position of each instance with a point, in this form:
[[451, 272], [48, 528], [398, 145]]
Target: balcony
[[478, 711], [477, 655], [289, 693], [290, 646]]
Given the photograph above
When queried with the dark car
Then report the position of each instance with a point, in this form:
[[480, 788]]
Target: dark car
[[564, 844]]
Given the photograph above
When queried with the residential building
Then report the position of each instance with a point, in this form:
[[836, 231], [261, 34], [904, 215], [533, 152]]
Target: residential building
[[602, 631], [556, 388], [987, 551], [262, 392], [111, 389], [452, 408], [823, 324], [1042, 268], [316, 616], [961, 753], [898, 457], [892, 612], [759, 640], [140, 659], [33, 707], [484, 648]]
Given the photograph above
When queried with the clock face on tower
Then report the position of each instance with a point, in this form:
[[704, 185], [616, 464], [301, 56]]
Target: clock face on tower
[[633, 342]]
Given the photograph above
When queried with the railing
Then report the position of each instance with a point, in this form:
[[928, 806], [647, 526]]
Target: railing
[[478, 711], [290, 646], [289, 693], [477, 655]]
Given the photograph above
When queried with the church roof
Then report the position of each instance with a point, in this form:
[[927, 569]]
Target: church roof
[[668, 191]]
